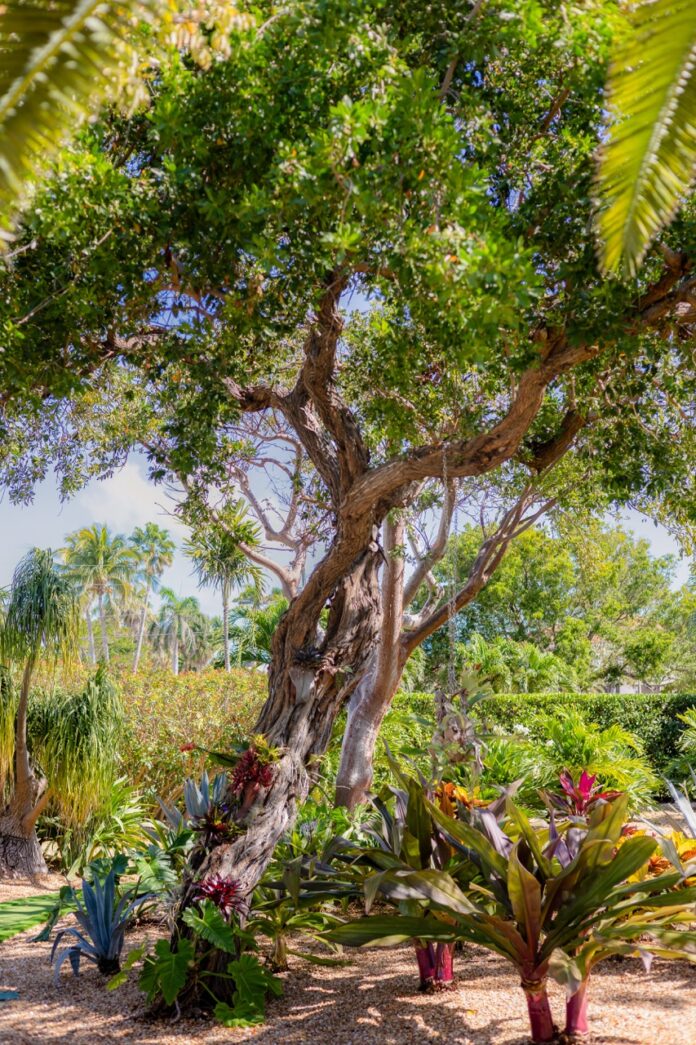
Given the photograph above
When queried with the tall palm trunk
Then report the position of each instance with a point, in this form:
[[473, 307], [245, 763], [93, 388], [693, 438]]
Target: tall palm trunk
[[226, 622], [102, 624], [141, 628], [90, 635], [20, 852]]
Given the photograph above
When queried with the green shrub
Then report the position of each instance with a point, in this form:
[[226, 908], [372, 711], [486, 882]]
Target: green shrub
[[635, 738], [654, 717], [165, 713]]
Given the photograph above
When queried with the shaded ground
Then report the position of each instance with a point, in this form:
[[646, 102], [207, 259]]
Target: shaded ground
[[370, 1001]]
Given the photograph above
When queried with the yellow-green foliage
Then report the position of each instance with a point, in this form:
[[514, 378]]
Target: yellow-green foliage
[[74, 738], [165, 713]]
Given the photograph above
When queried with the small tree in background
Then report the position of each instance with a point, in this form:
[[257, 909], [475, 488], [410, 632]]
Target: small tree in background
[[41, 621], [154, 549], [179, 629], [219, 561]]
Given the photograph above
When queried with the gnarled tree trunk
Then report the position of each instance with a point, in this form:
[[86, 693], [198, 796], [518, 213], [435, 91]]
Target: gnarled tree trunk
[[20, 852], [307, 687]]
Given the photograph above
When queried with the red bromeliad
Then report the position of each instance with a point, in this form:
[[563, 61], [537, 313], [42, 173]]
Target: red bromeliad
[[223, 892], [251, 774]]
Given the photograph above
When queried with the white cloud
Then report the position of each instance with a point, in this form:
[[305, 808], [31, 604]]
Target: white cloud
[[127, 500]]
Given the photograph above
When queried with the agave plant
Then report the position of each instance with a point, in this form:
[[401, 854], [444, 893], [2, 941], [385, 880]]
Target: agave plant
[[103, 917], [552, 903]]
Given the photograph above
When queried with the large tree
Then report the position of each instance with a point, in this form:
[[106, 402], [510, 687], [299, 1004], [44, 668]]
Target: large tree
[[439, 165]]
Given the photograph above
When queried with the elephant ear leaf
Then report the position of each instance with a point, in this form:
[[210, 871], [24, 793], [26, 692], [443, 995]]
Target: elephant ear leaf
[[166, 971]]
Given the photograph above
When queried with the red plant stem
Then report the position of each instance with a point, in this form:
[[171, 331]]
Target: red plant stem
[[425, 957], [444, 963], [540, 1018], [577, 1027]]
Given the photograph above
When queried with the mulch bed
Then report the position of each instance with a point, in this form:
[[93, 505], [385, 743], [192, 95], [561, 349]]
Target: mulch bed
[[372, 1000]]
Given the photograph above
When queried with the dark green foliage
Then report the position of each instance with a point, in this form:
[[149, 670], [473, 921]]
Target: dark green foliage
[[651, 716]]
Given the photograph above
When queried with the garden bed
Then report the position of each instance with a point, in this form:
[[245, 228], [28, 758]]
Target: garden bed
[[372, 1000]]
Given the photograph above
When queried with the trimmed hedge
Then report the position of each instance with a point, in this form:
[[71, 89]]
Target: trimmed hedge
[[653, 717]]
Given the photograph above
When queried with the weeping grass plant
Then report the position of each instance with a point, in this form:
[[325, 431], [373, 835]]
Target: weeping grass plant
[[74, 739]]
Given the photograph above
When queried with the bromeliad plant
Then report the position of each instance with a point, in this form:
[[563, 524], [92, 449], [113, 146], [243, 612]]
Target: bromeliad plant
[[551, 902], [578, 799]]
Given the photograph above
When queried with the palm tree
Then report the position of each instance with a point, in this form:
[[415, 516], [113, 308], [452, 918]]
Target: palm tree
[[219, 562], [102, 566], [41, 620], [648, 161], [58, 61], [178, 628], [154, 549], [254, 628]]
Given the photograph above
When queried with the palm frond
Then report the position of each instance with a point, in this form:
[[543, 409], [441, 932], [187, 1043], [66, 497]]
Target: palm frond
[[58, 58], [42, 614], [648, 161]]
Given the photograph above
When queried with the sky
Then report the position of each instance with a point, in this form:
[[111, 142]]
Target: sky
[[129, 499]]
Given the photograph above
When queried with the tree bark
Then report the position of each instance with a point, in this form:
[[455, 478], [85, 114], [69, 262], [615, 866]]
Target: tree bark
[[141, 628], [102, 626], [374, 693], [307, 686], [20, 852], [90, 636]]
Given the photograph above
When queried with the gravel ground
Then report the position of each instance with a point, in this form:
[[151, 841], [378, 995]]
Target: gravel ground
[[16, 889], [373, 1000]]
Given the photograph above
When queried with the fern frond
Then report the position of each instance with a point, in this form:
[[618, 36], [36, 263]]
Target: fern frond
[[648, 161]]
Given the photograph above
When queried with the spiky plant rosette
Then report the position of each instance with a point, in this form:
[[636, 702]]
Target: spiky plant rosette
[[223, 892]]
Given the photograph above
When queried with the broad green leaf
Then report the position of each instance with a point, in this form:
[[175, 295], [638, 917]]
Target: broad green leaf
[[242, 1014], [567, 969], [435, 887], [122, 975], [418, 822], [252, 981], [317, 959], [209, 923], [647, 163], [468, 838], [166, 972], [518, 817], [387, 930]]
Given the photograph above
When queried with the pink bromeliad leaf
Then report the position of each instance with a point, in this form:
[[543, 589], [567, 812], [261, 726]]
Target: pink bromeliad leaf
[[586, 783]]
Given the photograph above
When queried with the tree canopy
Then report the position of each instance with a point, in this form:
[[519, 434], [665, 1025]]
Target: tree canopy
[[374, 223]]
